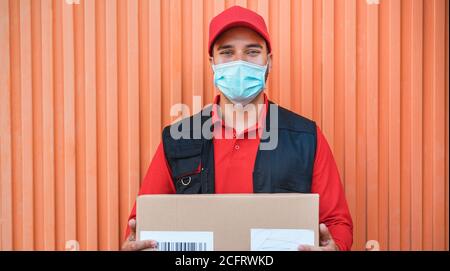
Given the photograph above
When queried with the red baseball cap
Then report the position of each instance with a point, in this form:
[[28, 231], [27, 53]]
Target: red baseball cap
[[233, 17]]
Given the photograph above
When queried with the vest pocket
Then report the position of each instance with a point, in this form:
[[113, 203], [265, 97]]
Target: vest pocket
[[293, 183], [185, 163]]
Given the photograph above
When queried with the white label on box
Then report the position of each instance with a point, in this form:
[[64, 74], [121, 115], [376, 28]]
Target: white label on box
[[181, 240], [280, 239]]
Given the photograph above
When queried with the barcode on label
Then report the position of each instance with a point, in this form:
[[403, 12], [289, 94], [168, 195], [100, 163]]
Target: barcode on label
[[181, 246]]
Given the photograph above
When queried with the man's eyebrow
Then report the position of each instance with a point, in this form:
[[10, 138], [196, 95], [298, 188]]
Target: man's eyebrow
[[226, 46], [254, 45]]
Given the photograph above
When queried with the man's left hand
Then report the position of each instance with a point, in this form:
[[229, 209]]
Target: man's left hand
[[326, 241]]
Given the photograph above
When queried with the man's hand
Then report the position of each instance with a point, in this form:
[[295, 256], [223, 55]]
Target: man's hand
[[131, 244], [326, 241]]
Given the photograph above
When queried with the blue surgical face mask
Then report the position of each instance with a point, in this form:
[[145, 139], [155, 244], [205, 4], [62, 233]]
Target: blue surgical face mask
[[240, 81]]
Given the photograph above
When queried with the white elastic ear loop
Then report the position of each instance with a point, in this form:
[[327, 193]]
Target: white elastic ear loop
[[267, 64], [213, 65], [266, 75]]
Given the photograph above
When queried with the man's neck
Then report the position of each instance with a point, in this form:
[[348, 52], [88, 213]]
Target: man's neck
[[244, 118]]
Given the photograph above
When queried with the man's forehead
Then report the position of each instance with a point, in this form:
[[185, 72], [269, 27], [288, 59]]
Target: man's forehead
[[240, 34]]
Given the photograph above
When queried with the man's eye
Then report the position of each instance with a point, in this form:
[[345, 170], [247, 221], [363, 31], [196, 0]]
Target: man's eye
[[226, 53], [253, 52]]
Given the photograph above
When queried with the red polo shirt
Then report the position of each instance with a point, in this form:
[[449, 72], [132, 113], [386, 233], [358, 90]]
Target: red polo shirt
[[234, 158]]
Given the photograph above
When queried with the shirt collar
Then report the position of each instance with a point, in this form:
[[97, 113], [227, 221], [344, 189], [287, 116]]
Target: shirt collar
[[217, 119]]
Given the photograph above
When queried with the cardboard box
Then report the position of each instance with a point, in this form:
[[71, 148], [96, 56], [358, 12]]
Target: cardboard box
[[230, 219]]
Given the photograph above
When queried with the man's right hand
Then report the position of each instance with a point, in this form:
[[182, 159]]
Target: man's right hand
[[131, 244]]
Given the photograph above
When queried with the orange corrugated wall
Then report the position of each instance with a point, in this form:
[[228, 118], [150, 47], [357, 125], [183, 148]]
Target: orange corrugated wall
[[86, 88]]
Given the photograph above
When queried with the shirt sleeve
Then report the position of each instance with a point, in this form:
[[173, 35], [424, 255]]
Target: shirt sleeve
[[157, 180], [333, 209]]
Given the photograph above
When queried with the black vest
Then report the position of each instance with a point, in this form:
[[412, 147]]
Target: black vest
[[287, 168]]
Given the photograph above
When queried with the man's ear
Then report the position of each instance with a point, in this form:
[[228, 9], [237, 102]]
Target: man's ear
[[269, 65], [211, 62], [269, 61]]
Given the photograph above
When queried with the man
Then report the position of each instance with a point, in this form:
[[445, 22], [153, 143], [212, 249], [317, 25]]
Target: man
[[231, 160]]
